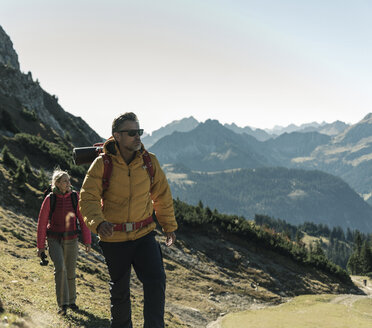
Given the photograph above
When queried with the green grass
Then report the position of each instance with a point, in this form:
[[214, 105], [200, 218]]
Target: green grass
[[308, 311]]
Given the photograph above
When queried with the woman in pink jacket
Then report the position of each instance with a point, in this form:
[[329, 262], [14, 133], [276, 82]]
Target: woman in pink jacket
[[60, 227]]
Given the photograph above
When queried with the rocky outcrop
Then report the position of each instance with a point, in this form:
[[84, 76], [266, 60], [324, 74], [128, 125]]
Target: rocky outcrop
[[29, 93], [8, 56], [13, 83], [31, 97]]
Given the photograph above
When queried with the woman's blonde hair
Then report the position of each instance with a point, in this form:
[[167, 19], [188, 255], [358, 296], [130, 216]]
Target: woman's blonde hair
[[57, 175]]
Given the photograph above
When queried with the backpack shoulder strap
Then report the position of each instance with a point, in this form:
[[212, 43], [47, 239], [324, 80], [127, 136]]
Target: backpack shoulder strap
[[107, 171], [52, 199], [74, 200], [147, 161]]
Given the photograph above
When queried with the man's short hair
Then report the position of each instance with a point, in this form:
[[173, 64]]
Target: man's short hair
[[129, 116]]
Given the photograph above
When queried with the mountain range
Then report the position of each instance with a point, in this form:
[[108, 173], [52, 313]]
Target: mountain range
[[211, 147], [187, 124]]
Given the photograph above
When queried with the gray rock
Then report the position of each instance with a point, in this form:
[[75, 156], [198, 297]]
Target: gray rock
[[8, 56]]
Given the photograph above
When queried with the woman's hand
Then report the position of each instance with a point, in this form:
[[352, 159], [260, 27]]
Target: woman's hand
[[39, 251]]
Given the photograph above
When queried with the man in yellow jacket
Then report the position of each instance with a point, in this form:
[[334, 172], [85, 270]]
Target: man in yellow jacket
[[122, 217]]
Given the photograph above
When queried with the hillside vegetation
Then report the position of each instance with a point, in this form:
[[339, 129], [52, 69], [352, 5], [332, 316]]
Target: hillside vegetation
[[351, 250], [290, 194]]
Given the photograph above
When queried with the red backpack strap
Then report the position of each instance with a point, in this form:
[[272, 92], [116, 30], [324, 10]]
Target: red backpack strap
[[107, 171], [148, 164]]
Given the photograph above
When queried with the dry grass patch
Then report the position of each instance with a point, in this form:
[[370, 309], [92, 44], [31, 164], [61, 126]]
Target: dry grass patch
[[308, 311]]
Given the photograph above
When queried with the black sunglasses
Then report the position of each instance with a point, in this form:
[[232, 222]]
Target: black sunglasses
[[132, 133]]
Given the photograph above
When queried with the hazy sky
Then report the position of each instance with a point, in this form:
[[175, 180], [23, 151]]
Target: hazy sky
[[253, 62]]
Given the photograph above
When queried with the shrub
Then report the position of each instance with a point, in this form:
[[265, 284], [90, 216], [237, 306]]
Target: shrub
[[68, 137], [20, 176], [8, 158], [29, 115]]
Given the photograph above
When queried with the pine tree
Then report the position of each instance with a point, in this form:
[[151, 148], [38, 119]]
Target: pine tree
[[366, 257], [208, 212], [299, 236], [349, 235], [357, 242], [355, 264]]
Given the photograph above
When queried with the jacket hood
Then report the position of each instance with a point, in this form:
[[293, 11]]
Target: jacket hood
[[111, 148]]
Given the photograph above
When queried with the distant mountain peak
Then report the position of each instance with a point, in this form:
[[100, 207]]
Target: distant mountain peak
[[356, 132], [182, 125], [8, 56], [368, 117], [185, 120], [259, 134], [211, 122]]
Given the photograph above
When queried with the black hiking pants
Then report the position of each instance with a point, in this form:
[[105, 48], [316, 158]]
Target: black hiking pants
[[144, 254]]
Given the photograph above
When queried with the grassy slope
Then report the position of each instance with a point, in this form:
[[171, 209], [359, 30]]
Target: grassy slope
[[207, 274], [308, 311]]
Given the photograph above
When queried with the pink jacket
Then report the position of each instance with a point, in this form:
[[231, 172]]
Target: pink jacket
[[63, 220]]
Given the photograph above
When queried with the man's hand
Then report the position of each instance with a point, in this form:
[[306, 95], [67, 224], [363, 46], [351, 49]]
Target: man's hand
[[106, 229], [171, 238]]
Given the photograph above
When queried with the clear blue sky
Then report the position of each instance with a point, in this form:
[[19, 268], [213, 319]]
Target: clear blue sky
[[256, 62]]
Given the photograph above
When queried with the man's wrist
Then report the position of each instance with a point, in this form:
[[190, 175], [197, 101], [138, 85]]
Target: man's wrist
[[99, 226]]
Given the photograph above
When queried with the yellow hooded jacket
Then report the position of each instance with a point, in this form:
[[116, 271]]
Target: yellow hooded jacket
[[130, 196]]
